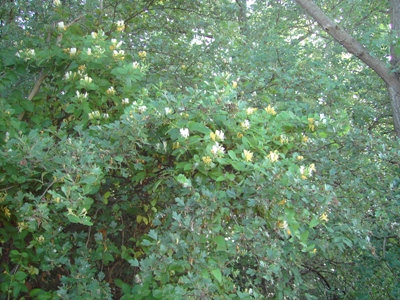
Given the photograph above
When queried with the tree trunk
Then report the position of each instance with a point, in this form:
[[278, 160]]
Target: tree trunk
[[356, 48]]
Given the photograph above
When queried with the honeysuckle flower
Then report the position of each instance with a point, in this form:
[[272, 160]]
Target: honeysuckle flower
[[110, 91], [89, 51], [304, 139], [311, 169], [245, 124], [302, 170], [61, 25], [299, 157], [234, 84], [56, 2], [119, 54], [270, 110], [87, 79], [273, 156], [72, 51], [168, 110], [120, 25], [217, 149], [311, 124], [251, 110], [165, 144], [40, 239], [324, 217], [94, 114], [106, 116], [184, 132], [125, 101], [207, 160], [142, 108], [282, 224], [69, 75], [94, 35], [142, 54], [248, 156], [175, 145], [81, 96], [217, 136], [135, 65], [284, 139]]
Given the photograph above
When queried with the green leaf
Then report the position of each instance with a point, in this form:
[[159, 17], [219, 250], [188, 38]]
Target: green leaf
[[217, 274], [194, 126], [221, 243], [314, 222]]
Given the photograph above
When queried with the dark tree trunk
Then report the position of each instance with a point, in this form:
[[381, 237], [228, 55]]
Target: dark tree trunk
[[356, 48]]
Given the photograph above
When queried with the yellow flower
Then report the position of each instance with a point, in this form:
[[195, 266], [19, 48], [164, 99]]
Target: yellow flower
[[176, 145], [314, 251], [304, 139], [239, 135], [324, 217], [213, 136], [6, 212], [234, 84], [142, 54], [207, 160], [284, 139], [270, 110], [248, 156], [282, 202], [299, 157], [251, 110], [311, 124]]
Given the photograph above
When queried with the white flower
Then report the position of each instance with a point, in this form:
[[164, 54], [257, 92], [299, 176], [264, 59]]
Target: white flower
[[184, 132], [142, 109], [72, 51], [220, 135], [135, 65], [273, 156], [61, 25], [125, 101], [94, 35], [68, 75], [168, 110], [81, 96], [245, 125], [87, 79], [57, 2], [89, 51], [217, 149], [110, 91]]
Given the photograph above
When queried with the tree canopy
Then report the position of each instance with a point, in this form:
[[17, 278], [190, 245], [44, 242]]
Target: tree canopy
[[158, 149]]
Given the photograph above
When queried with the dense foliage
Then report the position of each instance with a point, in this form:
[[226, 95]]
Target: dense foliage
[[193, 150]]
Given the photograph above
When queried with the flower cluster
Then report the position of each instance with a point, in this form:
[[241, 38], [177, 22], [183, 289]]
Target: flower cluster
[[273, 156], [217, 150], [270, 110], [26, 54], [184, 132], [248, 156], [245, 125], [120, 25], [217, 136], [251, 110]]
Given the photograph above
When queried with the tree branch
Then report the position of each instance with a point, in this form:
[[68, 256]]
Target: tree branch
[[348, 42]]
